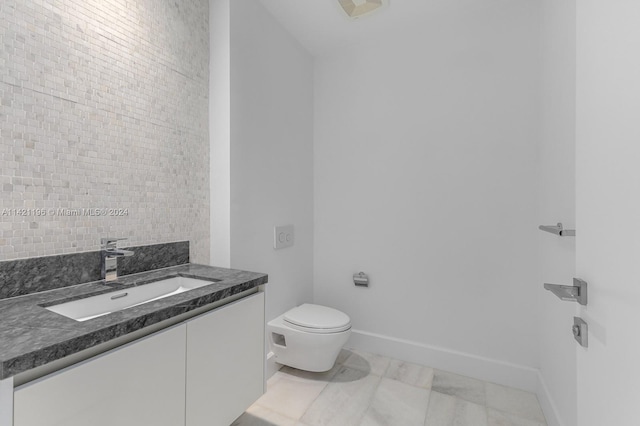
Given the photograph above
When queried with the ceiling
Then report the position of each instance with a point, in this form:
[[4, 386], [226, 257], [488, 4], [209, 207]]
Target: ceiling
[[322, 26]]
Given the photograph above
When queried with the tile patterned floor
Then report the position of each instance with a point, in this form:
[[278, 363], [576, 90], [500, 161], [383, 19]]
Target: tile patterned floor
[[364, 389]]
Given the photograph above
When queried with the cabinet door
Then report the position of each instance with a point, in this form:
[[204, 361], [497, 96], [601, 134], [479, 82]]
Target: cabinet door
[[225, 362], [139, 384]]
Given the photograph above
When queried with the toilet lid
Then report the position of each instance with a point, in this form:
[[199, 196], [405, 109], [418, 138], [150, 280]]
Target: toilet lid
[[318, 317]]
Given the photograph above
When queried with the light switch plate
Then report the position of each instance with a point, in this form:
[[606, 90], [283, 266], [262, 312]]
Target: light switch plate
[[283, 236]]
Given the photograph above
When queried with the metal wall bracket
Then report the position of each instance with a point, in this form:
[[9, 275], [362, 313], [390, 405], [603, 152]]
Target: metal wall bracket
[[558, 230], [580, 331], [361, 279], [572, 293]]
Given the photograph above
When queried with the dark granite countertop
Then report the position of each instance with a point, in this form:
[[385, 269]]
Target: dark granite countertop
[[31, 336]]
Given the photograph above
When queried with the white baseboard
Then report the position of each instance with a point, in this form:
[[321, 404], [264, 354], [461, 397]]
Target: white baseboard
[[546, 402], [491, 370]]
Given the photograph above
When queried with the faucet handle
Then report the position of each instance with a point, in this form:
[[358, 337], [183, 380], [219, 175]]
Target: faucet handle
[[110, 243]]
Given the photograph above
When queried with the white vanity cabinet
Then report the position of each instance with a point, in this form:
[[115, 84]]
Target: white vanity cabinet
[[141, 383], [205, 370], [225, 362]]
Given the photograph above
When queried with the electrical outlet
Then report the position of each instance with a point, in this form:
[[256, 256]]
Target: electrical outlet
[[283, 236]]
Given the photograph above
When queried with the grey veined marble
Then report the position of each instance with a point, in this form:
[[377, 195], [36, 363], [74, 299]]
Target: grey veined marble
[[148, 258], [32, 336], [26, 276]]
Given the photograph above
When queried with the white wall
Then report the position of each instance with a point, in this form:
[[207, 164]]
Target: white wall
[[271, 154], [557, 204], [425, 178], [608, 208], [220, 131]]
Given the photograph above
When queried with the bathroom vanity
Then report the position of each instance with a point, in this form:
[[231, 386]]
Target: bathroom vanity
[[192, 358]]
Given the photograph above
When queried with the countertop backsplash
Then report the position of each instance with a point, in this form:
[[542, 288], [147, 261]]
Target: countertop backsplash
[[25, 276]]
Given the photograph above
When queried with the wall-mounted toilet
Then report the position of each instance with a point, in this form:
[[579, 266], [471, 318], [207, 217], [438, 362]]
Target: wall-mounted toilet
[[309, 337]]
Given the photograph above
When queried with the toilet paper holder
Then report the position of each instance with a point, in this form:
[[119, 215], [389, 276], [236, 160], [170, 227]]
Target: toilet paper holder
[[361, 279]]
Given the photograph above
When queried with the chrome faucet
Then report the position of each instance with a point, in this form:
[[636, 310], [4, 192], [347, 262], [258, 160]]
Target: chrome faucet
[[110, 254]]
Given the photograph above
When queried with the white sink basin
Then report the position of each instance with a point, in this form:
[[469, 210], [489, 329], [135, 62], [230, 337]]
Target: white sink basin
[[103, 304]]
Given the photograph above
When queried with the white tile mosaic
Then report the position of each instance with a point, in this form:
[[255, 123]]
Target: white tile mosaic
[[103, 105]]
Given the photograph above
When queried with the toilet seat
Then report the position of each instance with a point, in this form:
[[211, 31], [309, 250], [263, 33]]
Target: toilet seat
[[317, 319], [309, 337]]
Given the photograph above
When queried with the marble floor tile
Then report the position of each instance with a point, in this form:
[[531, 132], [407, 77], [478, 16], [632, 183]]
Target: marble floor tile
[[343, 355], [260, 416], [363, 389], [514, 401], [498, 418], [274, 379], [463, 387], [447, 410], [291, 397], [412, 374], [344, 400], [397, 404], [375, 364], [295, 374]]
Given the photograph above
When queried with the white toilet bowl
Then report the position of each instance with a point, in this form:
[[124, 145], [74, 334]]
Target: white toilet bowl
[[309, 337]]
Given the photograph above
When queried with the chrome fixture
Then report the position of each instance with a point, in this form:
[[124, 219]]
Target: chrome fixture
[[558, 230], [573, 293], [361, 279], [580, 331], [110, 254]]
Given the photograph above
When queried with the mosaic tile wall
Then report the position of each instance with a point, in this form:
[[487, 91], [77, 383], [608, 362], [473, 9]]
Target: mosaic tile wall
[[103, 125]]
